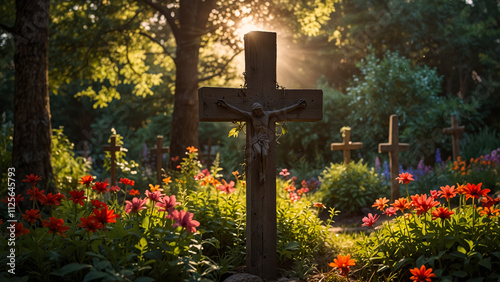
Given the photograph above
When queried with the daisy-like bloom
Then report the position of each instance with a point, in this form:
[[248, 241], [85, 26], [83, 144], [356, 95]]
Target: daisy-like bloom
[[370, 220], [434, 194], [284, 172], [422, 274], [18, 198], [101, 187], [55, 225], [52, 199], [474, 191], [168, 204], [442, 213], [343, 263], [405, 178], [77, 197], [20, 230], [191, 149], [381, 203], [293, 197], [488, 211], [302, 190], [319, 205], [209, 180], [97, 204], [167, 180], [86, 180], [290, 188], [154, 188], [401, 204], [447, 192], [236, 174], [127, 181], [460, 189], [488, 201], [227, 188], [390, 211], [154, 196], [36, 194], [185, 219], [105, 216], [90, 223], [32, 215], [423, 204], [32, 179], [136, 205], [134, 192], [115, 188]]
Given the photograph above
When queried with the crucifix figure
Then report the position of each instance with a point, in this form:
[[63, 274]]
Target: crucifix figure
[[112, 148], [159, 150], [260, 105], [393, 147], [455, 131], [347, 146], [260, 121]]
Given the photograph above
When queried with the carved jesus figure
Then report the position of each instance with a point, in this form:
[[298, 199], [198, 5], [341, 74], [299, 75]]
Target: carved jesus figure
[[261, 121]]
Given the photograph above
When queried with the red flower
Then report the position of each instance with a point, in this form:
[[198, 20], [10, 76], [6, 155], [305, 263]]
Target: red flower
[[97, 204], [36, 194], [381, 203], [488, 201], [127, 181], [390, 211], [135, 206], [32, 215], [370, 220], [422, 274], [474, 191], [185, 219], [225, 187], [154, 196], [405, 177], [86, 180], [401, 204], [134, 192], [447, 192], [434, 194], [100, 187], [167, 204], [90, 223], [32, 179], [442, 213], [423, 204], [55, 225], [18, 199], [105, 216], [319, 206], [52, 199], [20, 230], [77, 197], [343, 263]]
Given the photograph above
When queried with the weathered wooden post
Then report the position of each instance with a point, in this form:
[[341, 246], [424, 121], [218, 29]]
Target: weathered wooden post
[[260, 104], [112, 149], [456, 132], [393, 147], [159, 150], [346, 146]]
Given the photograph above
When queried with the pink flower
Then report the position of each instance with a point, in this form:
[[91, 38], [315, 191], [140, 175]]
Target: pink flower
[[185, 219], [115, 188], [390, 211], [284, 172], [370, 220], [293, 197], [154, 196], [168, 204], [227, 188], [434, 194], [135, 206]]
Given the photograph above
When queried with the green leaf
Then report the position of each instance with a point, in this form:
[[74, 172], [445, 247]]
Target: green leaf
[[69, 268], [94, 274], [459, 273], [486, 263]]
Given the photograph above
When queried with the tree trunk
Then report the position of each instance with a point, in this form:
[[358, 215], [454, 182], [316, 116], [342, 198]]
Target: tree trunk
[[32, 128]]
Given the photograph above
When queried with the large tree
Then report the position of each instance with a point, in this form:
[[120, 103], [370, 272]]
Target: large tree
[[32, 126]]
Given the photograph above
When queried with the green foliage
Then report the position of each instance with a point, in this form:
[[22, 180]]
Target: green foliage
[[122, 165], [350, 187], [6, 133], [464, 245], [480, 143], [67, 168]]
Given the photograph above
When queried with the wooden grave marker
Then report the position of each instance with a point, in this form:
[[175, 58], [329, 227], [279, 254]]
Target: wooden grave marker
[[159, 150], [456, 132], [393, 147], [260, 105], [346, 146], [112, 148]]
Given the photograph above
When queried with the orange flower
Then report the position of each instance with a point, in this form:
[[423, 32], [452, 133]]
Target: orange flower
[[460, 189], [86, 180], [405, 177], [489, 211], [319, 206], [167, 180], [343, 263], [134, 192], [442, 213], [127, 181], [423, 204], [154, 188], [422, 274], [191, 149], [474, 191], [447, 192], [401, 204], [381, 203]]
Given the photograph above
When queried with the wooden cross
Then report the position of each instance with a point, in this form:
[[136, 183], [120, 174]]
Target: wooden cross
[[347, 146], [260, 105], [159, 150], [455, 131], [393, 147], [112, 149]]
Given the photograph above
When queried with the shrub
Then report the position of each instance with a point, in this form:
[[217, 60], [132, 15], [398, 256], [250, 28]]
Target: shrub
[[350, 187]]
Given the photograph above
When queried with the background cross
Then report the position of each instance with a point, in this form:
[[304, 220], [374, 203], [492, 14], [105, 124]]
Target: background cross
[[347, 146], [455, 131], [112, 148], [393, 147], [159, 150], [260, 77]]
